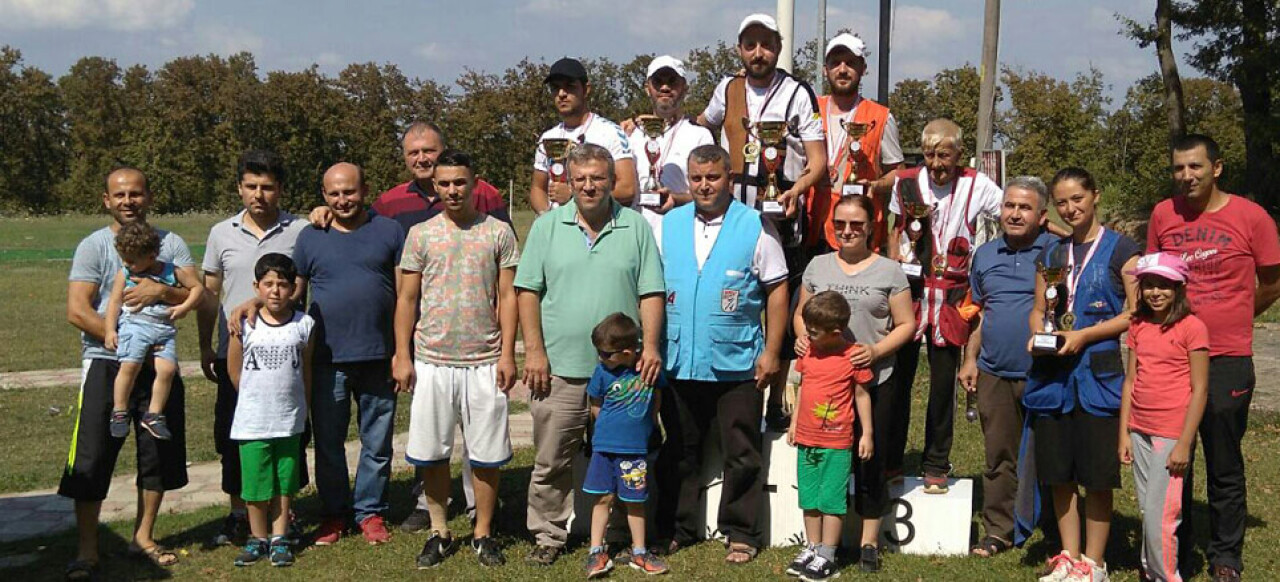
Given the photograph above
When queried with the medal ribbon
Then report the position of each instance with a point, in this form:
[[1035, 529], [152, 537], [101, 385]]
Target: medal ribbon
[[1073, 278], [938, 228], [671, 140]]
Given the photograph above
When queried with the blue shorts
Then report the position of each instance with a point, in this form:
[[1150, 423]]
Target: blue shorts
[[137, 335], [627, 475]]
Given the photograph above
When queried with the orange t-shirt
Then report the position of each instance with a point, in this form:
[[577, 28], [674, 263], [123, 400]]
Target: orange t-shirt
[[826, 412]]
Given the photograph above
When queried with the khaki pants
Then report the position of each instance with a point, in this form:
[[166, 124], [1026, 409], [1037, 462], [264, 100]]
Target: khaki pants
[[1000, 409], [559, 424]]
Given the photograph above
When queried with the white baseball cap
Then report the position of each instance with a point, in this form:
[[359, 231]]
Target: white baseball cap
[[666, 62], [758, 18], [848, 41]]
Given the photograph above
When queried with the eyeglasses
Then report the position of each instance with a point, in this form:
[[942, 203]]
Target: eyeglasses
[[606, 354], [856, 225]]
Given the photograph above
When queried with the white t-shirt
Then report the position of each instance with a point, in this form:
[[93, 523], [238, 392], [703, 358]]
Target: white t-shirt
[[984, 205], [768, 263], [596, 130], [890, 147], [272, 402], [673, 161]]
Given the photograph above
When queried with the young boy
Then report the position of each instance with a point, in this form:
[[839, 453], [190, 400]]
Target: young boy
[[270, 365], [822, 427], [143, 328], [625, 412]]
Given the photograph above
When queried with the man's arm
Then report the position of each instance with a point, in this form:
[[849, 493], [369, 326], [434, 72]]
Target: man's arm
[[1268, 289], [624, 189], [537, 370], [815, 169], [652, 312], [147, 292], [968, 375], [407, 295], [539, 200], [80, 311], [508, 322], [207, 320], [775, 330], [111, 319]]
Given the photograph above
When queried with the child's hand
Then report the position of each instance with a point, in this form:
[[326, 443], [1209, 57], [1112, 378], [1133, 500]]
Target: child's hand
[[866, 447], [110, 341], [178, 312], [1126, 449], [791, 435], [1179, 459]]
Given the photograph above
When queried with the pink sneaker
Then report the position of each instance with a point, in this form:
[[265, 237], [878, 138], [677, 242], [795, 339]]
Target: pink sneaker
[[330, 531], [375, 530]]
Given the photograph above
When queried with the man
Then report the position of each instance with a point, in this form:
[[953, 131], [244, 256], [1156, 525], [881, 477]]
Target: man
[[455, 350], [232, 251], [666, 85], [583, 262], [1231, 245], [724, 267], [161, 464], [1003, 279], [765, 93], [959, 198], [570, 91], [866, 165], [351, 268], [416, 200]]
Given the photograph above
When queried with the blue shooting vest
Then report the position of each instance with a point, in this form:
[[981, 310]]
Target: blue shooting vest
[[1095, 377], [713, 313]]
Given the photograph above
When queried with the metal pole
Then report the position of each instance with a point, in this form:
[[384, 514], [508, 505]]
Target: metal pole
[[818, 81], [988, 73], [786, 12], [882, 68]]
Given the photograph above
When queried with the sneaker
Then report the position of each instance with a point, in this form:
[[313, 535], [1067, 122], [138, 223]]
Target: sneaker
[[119, 423], [488, 552], [935, 483], [254, 550], [330, 531], [417, 521], [1087, 570], [870, 559], [1058, 568], [1225, 574], [234, 532], [796, 568], [648, 563], [598, 564], [435, 550], [374, 530], [155, 424], [776, 420], [543, 556], [820, 568], [281, 553]]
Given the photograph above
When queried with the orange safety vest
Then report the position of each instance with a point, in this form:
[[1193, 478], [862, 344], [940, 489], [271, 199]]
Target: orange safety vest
[[865, 166]]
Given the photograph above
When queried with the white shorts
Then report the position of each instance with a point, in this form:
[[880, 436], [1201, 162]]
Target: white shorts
[[443, 396]]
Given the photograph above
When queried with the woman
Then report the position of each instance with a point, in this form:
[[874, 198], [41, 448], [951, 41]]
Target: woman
[[1072, 395], [882, 321]]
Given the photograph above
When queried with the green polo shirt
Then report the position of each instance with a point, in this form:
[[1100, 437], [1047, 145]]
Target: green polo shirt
[[581, 284]]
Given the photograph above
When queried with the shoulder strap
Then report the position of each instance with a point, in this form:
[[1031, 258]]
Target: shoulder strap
[[735, 110]]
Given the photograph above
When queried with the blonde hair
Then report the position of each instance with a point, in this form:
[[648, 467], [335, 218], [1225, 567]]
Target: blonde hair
[[940, 130]]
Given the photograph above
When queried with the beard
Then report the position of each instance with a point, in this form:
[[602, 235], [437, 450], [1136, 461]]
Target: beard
[[848, 90]]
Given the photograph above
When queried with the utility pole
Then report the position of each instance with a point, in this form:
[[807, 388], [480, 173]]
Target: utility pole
[[786, 14], [882, 68], [822, 43], [988, 74]]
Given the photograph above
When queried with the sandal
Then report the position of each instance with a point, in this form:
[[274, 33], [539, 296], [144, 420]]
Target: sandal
[[989, 546], [737, 550], [156, 554], [80, 570]]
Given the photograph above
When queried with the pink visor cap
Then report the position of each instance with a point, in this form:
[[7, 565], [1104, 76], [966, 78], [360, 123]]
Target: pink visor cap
[[1166, 265]]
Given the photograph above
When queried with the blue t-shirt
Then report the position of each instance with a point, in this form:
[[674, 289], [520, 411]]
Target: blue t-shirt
[[1004, 283], [159, 311], [626, 411], [353, 288]]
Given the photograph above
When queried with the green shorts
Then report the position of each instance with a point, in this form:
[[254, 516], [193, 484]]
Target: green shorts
[[822, 475], [270, 468]]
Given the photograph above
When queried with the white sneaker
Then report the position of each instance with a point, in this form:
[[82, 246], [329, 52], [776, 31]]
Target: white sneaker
[[1087, 570], [1059, 568]]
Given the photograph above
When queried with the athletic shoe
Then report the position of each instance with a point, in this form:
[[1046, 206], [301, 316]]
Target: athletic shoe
[[119, 423], [796, 568], [1058, 568], [935, 483], [330, 531], [417, 521], [234, 532], [254, 550], [374, 530], [281, 553], [155, 424], [870, 559], [435, 550], [1087, 570], [598, 564], [543, 556], [819, 569], [648, 563], [488, 552]]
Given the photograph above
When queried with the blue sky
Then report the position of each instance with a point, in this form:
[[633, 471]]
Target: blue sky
[[434, 39]]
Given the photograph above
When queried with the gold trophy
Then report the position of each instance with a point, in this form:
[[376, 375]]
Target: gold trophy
[[1046, 342], [771, 136], [653, 127], [856, 132], [918, 211], [557, 150]]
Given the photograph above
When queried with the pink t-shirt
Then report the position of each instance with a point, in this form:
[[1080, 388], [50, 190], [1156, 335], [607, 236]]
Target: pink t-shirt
[[1162, 388], [826, 411], [1224, 250]]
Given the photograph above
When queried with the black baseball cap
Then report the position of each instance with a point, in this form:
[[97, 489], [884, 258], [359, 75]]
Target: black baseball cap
[[567, 68]]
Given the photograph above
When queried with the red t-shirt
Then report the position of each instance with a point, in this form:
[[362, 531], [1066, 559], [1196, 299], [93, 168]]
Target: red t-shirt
[[826, 412], [1162, 387], [400, 199], [1224, 250]]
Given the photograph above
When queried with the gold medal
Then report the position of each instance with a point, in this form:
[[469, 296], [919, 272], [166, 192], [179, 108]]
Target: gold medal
[[1068, 321], [939, 265], [751, 152]]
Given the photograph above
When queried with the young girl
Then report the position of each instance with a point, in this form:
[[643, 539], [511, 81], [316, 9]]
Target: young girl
[[1165, 391]]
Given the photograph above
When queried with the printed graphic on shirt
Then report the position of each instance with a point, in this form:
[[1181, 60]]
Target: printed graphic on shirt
[[828, 414], [632, 395], [634, 473], [272, 357]]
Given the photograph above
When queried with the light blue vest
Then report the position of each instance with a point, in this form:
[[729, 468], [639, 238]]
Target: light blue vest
[[713, 314]]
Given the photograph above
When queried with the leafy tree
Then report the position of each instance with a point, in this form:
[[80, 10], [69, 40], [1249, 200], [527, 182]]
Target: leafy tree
[[33, 153], [96, 125], [1051, 124]]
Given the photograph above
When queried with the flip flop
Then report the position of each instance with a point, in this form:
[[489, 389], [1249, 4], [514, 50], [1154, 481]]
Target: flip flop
[[156, 554], [740, 550], [991, 545], [81, 570]]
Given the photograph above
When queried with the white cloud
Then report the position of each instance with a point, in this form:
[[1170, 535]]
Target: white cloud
[[927, 40], [222, 40], [329, 59], [559, 8], [124, 15], [432, 52]]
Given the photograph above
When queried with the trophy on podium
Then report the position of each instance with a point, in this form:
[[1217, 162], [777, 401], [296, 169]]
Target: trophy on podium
[[1045, 342], [771, 136], [557, 150], [653, 128]]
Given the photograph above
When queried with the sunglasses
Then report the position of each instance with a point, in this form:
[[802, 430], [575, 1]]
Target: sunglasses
[[856, 225]]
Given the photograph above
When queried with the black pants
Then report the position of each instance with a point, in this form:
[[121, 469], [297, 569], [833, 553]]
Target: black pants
[[689, 410], [940, 416], [224, 411], [871, 492]]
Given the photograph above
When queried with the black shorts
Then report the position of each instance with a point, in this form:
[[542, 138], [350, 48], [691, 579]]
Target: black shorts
[[1077, 447], [162, 465], [224, 412]]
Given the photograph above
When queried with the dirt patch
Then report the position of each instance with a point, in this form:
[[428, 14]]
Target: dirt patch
[[1266, 365]]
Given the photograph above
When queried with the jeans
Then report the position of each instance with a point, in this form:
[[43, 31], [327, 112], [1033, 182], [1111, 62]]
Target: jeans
[[334, 386]]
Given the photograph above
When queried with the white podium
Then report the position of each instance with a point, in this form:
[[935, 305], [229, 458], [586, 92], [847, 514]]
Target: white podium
[[921, 523]]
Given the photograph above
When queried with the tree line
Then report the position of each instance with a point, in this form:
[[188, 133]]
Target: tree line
[[185, 123]]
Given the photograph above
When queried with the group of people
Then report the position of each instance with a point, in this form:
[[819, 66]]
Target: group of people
[[661, 296]]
